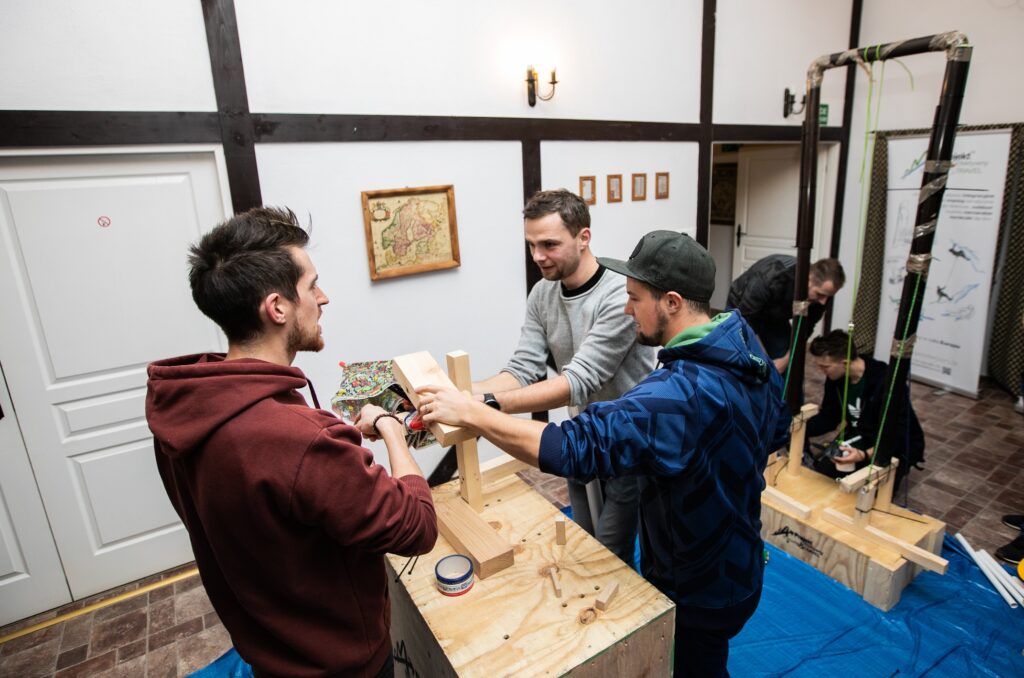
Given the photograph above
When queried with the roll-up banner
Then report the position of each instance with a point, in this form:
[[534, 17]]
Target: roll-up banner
[[952, 332]]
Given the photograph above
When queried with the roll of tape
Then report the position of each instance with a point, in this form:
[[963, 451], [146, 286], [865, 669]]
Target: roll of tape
[[454, 575]]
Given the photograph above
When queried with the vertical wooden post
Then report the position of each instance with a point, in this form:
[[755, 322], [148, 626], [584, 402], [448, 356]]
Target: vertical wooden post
[[466, 452], [884, 500], [796, 439]]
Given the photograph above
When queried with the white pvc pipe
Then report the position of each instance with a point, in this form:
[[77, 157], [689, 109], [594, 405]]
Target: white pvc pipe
[[1003, 575], [992, 577]]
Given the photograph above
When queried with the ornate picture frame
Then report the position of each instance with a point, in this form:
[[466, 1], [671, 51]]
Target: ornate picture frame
[[410, 230]]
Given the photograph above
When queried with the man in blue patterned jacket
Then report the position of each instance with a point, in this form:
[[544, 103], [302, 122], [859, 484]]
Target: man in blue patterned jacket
[[698, 431]]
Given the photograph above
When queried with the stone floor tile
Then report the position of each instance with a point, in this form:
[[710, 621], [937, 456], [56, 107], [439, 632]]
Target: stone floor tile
[[90, 667], [190, 604], [121, 607], [37, 660], [71, 657], [195, 652], [161, 615], [131, 650], [162, 662], [39, 637], [176, 632], [133, 668], [113, 633], [77, 631], [186, 584]]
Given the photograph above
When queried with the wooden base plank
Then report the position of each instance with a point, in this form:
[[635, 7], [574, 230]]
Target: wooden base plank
[[511, 623]]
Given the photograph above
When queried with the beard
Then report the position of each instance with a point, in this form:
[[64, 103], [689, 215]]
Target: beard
[[300, 340], [655, 339], [560, 271]]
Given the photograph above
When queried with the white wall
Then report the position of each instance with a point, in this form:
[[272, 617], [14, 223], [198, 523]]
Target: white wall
[[617, 227], [994, 93], [477, 307], [615, 61], [112, 55], [761, 48]]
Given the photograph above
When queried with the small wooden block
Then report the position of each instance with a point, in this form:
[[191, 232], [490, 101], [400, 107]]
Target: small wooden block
[[470, 535], [465, 452], [787, 502], [604, 599], [420, 369], [560, 530], [554, 580]]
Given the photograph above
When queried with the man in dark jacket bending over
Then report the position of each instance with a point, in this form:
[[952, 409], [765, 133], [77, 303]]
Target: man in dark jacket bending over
[[697, 432], [288, 515], [764, 295]]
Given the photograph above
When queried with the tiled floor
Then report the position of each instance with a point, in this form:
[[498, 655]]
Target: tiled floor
[[974, 473]]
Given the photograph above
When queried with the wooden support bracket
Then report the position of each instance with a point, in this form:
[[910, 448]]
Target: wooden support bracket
[[420, 369], [796, 440], [868, 474], [914, 554], [470, 535], [787, 503]]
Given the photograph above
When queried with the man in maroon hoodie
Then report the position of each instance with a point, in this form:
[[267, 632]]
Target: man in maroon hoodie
[[288, 515]]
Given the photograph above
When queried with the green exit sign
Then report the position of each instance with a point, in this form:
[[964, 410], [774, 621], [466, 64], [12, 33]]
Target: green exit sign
[[823, 114]]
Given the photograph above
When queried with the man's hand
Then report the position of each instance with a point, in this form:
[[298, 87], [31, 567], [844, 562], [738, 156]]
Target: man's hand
[[851, 455], [364, 421], [447, 406], [781, 363]]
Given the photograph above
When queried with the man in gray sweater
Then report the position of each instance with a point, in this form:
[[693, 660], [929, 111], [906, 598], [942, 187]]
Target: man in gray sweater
[[576, 314]]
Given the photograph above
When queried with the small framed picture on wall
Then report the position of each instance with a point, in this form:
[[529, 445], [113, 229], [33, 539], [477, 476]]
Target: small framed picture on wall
[[639, 187], [661, 185], [614, 188], [588, 190]]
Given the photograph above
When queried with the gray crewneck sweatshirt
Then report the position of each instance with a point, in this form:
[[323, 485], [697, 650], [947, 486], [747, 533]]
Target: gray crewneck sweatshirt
[[591, 338]]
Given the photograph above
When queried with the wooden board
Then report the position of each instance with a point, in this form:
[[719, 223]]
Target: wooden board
[[414, 370], [469, 535], [512, 624], [466, 455], [877, 572]]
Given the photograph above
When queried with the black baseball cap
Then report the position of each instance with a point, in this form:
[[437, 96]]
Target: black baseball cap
[[670, 261]]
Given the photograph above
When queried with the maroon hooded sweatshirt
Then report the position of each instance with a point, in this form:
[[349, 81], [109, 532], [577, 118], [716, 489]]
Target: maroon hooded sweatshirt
[[288, 514]]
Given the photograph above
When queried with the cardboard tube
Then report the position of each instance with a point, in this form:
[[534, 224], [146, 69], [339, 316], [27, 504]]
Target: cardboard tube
[[992, 578]]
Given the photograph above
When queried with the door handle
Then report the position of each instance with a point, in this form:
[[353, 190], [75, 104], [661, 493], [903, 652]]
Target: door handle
[[739, 234]]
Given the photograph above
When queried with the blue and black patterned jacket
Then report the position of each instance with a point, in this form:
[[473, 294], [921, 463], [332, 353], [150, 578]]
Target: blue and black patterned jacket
[[699, 431]]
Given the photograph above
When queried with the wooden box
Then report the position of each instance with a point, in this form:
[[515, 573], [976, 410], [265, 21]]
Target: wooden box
[[878, 573], [512, 623]]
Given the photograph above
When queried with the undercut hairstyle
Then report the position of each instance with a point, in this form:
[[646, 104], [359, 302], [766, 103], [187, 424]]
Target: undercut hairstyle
[[236, 265], [834, 345], [828, 269], [694, 306], [569, 206]]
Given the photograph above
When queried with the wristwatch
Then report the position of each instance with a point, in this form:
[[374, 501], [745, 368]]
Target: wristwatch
[[491, 401]]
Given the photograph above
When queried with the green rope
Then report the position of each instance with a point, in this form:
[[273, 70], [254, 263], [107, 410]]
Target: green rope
[[892, 383], [792, 349]]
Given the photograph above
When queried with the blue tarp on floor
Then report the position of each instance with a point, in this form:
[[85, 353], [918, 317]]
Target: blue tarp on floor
[[944, 625]]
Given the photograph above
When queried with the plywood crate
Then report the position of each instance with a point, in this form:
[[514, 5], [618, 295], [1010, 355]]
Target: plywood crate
[[878, 573], [512, 623]]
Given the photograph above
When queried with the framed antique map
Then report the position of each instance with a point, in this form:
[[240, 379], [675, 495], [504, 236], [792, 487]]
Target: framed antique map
[[410, 230]]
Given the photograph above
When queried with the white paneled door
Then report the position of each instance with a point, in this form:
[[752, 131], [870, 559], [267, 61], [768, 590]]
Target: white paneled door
[[767, 195], [92, 288], [31, 578]]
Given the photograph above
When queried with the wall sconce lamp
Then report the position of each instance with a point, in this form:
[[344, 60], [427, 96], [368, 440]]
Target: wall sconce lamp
[[788, 100], [531, 86]]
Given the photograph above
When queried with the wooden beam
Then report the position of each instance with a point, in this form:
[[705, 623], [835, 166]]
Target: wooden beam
[[466, 452], [604, 599], [420, 369], [470, 535], [914, 554], [796, 441], [787, 503], [858, 479]]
